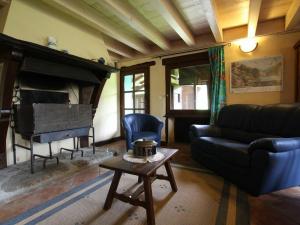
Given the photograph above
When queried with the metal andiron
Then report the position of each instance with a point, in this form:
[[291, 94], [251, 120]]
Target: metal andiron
[[48, 122]]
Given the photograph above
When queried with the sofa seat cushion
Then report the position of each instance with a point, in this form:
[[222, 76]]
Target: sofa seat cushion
[[146, 134], [230, 151]]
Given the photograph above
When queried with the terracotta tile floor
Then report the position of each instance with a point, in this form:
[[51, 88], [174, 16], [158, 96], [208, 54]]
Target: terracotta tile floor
[[278, 208]]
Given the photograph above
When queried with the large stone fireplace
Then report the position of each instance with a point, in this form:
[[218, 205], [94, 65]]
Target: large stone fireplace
[[33, 74]]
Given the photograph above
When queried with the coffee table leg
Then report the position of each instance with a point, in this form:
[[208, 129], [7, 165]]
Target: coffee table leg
[[112, 190], [149, 201], [171, 176]]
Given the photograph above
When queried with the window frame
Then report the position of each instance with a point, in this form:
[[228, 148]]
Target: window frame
[[131, 70], [179, 62]]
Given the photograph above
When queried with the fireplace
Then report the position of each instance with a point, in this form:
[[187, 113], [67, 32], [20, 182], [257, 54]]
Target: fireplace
[[33, 82]]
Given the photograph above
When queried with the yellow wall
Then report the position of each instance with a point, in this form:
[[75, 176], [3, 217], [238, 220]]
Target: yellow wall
[[268, 46], [34, 21]]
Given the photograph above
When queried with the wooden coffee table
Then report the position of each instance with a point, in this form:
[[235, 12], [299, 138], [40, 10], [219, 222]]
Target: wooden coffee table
[[146, 172]]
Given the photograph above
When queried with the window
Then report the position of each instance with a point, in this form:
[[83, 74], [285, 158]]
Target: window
[[134, 93], [189, 87], [187, 84]]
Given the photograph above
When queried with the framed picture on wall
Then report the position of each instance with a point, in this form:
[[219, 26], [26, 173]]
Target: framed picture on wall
[[257, 75]]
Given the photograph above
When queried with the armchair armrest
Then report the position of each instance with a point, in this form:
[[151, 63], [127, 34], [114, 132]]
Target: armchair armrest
[[158, 126], [204, 131], [275, 144]]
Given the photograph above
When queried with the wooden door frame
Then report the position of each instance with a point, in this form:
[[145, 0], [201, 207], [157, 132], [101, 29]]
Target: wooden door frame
[[138, 68], [297, 69]]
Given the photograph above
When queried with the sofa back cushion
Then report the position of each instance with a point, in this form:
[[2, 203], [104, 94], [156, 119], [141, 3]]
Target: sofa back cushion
[[269, 120], [237, 116], [292, 128]]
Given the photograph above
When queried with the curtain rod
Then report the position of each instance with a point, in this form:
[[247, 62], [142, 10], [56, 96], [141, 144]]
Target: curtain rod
[[226, 43], [189, 51]]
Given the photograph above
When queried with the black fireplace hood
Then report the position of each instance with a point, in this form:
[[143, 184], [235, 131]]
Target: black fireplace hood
[[54, 69], [41, 60]]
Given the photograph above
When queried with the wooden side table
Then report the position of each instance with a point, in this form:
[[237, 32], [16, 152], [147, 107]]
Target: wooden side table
[[146, 174]]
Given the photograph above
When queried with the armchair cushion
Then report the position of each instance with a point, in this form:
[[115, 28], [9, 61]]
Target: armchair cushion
[[138, 126], [146, 134], [275, 144]]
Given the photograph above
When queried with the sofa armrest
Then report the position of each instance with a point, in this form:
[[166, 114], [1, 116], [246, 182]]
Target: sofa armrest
[[204, 131], [275, 144]]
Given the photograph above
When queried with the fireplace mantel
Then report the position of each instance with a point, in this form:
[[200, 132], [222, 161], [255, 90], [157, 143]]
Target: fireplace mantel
[[17, 56]]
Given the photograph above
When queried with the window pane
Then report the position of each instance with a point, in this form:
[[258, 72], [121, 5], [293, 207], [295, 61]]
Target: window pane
[[139, 82], [139, 111], [184, 97], [188, 83], [140, 99], [128, 100], [128, 83], [128, 112], [202, 97]]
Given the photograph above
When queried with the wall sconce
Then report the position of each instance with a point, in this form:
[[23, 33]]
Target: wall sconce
[[248, 45]]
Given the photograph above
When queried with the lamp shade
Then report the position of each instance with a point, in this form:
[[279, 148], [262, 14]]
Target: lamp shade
[[248, 45]]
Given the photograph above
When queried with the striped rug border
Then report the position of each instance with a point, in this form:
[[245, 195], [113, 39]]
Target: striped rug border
[[55, 200], [242, 203]]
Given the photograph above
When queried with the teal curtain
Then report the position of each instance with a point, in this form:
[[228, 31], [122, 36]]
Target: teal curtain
[[218, 88]]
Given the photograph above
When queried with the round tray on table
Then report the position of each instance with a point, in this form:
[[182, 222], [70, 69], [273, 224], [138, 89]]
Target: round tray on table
[[131, 158]]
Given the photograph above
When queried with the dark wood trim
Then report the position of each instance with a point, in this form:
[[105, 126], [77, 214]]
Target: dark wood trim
[[164, 143], [139, 68], [297, 69], [186, 60], [9, 75], [188, 113], [108, 141]]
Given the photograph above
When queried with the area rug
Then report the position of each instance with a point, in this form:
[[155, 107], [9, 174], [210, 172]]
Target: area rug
[[203, 198], [17, 179]]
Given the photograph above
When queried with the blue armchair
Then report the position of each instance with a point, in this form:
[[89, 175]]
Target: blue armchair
[[138, 126]]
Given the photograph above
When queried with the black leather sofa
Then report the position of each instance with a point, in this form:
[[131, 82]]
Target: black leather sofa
[[255, 147]]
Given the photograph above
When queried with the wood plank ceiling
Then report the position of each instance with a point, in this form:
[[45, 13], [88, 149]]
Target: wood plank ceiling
[[138, 28]]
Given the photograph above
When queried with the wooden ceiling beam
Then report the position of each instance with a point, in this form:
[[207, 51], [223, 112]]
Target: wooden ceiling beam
[[130, 15], [254, 9], [114, 56], [292, 17], [172, 16], [4, 3], [87, 15], [178, 46], [212, 17], [269, 27], [117, 47]]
